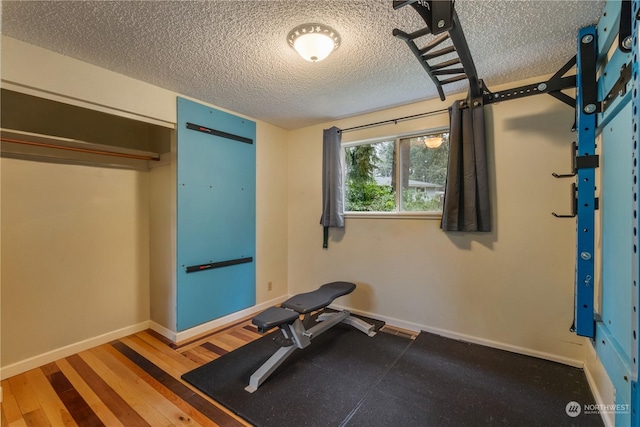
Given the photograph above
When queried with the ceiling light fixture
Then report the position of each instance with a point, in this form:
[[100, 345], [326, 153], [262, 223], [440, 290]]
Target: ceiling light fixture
[[433, 141], [314, 42]]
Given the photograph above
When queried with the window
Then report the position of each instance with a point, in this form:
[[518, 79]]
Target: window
[[403, 174]]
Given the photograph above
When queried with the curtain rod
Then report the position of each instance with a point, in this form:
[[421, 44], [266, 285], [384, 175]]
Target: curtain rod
[[395, 121]]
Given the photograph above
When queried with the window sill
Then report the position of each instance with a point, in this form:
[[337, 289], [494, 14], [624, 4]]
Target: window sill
[[394, 215]]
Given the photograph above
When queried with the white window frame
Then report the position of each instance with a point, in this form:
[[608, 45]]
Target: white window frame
[[397, 214]]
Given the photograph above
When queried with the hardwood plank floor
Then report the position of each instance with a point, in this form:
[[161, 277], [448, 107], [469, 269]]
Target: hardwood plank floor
[[134, 381]]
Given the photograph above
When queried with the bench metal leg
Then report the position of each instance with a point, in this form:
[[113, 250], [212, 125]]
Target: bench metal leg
[[296, 333], [267, 368], [360, 325], [326, 321], [347, 319]]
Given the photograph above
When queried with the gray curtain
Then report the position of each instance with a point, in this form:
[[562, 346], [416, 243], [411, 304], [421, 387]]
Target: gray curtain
[[332, 184], [466, 197]]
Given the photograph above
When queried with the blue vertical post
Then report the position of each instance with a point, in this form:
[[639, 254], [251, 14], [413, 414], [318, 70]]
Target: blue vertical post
[[586, 109]]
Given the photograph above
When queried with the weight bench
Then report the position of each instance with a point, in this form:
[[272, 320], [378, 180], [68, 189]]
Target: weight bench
[[295, 335]]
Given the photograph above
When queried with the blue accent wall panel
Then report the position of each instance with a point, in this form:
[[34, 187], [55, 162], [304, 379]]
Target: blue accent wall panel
[[617, 223], [614, 337], [635, 271], [216, 213], [616, 340]]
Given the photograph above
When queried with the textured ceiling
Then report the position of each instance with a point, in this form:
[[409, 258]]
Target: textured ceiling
[[234, 54]]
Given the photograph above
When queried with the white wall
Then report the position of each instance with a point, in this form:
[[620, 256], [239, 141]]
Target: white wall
[[512, 288]]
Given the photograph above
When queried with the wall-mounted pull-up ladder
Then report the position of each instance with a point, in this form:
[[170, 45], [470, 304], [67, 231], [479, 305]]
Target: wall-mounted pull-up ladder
[[454, 63], [441, 20]]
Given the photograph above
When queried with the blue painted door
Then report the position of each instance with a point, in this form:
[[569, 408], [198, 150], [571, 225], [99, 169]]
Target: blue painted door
[[216, 213]]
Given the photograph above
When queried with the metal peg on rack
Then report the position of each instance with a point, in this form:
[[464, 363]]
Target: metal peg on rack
[[574, 206], [574, 149]]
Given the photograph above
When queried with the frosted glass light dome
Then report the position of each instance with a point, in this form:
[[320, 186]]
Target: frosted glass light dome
[[314, 42]]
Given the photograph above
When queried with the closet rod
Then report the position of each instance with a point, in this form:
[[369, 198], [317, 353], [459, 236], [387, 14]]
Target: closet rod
[[395, 121], [82, 150]]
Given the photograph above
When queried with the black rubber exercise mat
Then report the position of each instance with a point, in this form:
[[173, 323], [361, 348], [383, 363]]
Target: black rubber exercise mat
[[445, 382], [317, 386], [347, 378]]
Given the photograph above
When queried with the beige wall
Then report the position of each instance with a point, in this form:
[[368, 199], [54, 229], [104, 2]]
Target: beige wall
[[78, 238], [512, 287], [162, 247], [26, 67], [75, 254], [271, 212]]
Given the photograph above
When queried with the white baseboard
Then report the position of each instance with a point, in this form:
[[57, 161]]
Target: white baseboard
[[62, 352], [217, 323], [391, 321], [51, 356], [162, 330]]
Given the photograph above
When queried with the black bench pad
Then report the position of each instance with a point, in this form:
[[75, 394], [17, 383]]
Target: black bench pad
[[320, 298], [272, 317]]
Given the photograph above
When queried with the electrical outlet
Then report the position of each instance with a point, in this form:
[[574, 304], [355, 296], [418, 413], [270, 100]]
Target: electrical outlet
[[269, 286]]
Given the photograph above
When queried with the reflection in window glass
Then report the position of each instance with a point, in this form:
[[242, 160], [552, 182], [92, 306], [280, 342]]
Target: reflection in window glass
[[424, 172]]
